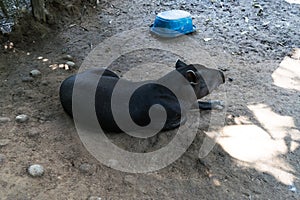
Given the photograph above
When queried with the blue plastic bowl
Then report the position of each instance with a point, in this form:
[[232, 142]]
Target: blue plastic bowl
[[173, 23]]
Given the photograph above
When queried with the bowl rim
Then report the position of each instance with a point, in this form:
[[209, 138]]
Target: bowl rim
[[161, 14]]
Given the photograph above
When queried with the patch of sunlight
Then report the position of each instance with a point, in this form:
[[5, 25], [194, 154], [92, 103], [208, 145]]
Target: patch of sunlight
[[287, 75], [293, 1], [262, 148], [250, 143], [277, 126]]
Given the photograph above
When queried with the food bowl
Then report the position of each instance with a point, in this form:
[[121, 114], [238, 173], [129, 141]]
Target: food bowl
[[173, 23]]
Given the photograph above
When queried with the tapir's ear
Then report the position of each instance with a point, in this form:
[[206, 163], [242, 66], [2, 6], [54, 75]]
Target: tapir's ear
[[180, 64], [192, 77]]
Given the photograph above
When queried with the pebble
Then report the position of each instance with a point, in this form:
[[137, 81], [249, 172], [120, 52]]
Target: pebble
[[27, 79], [87, 168], [36, 170], [68, 57], [4, 119], [207, 39], [4, 142], [2, 159], [70, 63], [22, 118], [230, 79], [35, 73], [94, 198]]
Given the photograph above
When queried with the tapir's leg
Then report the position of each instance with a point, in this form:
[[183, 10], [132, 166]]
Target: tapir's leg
[[211, 105]]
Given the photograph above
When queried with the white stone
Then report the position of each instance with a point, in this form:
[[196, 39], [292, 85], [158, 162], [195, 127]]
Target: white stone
[[36, 170]]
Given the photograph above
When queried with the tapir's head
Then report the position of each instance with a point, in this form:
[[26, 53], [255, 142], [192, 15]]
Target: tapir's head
[[203, 80]]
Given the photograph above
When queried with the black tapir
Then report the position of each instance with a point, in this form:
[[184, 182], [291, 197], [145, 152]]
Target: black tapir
[[193, 79]]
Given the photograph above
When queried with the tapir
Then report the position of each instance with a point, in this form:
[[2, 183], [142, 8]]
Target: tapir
[[190, 81]]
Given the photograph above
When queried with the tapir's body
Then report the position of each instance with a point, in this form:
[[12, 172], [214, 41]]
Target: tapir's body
[[193, 81]]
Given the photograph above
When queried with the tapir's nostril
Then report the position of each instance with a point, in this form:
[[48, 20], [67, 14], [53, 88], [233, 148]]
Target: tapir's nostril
[[223, 76]]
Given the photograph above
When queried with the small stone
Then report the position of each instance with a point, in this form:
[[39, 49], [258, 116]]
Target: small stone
[[4, 119], [67, 67], [36, 170], [230, 79], [70, 63], [94, 198], [292, 188], [61, 66], [207, 39], [35, 73], [2, 159], [87, 168], [4, 142], [68, 57], [27, 79], [22, 118]]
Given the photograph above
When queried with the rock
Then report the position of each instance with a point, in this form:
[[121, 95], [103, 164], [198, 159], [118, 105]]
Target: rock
[[27, 79], [207, 39], [94, 198], [70, 63], [35, 73], [2, 159], [68, 57], [292, 188], [87, 168], [36, 170], [4, 119], [22, 118], [4, 142], [230, 79]]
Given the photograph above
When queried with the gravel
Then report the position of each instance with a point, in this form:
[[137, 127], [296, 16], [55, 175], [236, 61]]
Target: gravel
[[253, 30]]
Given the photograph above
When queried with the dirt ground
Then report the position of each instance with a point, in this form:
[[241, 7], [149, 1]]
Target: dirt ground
[[256, 155]]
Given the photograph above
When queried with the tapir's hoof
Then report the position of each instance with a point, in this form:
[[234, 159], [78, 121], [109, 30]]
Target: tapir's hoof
[[211, 105], [217, 104]]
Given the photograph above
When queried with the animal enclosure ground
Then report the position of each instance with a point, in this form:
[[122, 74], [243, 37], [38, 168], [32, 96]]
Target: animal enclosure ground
[[257, 153]]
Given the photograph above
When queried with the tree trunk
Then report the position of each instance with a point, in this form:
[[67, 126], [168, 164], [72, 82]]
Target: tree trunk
[[38, 10]]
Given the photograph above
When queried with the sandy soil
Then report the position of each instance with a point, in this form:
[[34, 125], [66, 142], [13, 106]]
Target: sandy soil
[[257, 153]]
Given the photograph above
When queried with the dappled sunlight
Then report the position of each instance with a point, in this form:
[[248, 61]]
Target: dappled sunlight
[[293, 1], [287, 75], [277, 126], [263, 147], [250, 143]]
